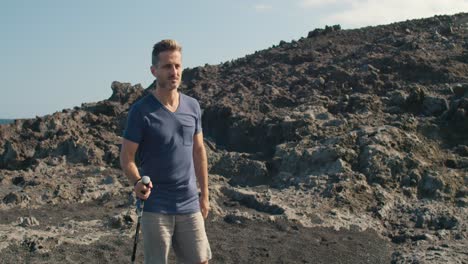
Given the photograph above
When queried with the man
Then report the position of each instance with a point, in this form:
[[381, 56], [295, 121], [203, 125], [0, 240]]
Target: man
[[164, 130]]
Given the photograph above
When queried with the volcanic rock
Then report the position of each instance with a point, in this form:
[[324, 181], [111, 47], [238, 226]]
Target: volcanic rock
[[336, 139]]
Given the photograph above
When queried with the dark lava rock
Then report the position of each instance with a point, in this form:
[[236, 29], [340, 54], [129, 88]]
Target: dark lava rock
[[370, 121]]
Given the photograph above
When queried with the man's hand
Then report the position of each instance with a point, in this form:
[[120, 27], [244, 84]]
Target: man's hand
[[143, 191], [204, 207]]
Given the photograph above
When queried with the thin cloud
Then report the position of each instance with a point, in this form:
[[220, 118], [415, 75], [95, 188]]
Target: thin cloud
[[262, 7], [359, 13], [316, 3]]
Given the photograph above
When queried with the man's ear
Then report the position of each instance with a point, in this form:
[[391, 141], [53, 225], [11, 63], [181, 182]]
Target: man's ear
[[153, 70]]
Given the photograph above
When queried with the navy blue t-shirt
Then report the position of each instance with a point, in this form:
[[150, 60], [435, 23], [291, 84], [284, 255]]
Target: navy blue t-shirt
[[165, 152]]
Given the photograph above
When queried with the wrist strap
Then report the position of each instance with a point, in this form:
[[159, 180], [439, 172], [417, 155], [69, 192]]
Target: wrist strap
[[139, 180]]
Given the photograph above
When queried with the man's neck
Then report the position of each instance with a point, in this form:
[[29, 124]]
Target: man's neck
[[169, 98]]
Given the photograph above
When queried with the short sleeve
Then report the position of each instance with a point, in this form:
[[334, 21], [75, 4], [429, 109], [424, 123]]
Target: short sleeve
[[198, 126], [135, 125]]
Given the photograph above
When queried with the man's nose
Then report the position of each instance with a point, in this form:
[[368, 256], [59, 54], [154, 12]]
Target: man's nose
[[173, 70]]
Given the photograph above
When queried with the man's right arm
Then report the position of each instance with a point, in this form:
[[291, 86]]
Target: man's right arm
[[127, 162]]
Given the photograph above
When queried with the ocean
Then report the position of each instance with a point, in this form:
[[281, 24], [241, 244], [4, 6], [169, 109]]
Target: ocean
[[6, 121]]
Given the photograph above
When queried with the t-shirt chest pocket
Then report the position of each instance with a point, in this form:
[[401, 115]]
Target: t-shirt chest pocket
[[187, 134]]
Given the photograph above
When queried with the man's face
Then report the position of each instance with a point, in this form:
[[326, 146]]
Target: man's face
[[168, 72]]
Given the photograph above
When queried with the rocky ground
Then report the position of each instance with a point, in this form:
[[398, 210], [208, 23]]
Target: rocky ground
[[345, 146]]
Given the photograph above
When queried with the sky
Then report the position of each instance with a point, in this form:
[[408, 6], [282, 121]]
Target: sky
[[57, 54]]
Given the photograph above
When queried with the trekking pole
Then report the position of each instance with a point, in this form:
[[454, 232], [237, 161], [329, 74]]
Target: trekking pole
[[145, 180]]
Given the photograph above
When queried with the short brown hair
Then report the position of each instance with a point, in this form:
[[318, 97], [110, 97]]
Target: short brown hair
[[164, 45]]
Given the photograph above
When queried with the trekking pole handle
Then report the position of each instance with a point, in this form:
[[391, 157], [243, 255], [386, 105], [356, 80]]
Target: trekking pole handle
[[145, 180]]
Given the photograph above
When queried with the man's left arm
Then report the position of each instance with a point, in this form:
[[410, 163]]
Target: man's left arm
[[200, 162]]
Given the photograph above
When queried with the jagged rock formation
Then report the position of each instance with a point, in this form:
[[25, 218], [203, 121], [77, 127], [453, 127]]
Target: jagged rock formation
[[356, 129]]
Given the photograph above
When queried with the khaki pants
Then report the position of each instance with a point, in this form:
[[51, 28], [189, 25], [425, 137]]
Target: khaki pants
[[185, 233]]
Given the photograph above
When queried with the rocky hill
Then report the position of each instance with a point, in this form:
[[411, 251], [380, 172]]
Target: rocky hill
[[363, 132]]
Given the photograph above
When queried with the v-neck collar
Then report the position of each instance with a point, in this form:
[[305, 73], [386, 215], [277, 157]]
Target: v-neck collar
[[164, 107]]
